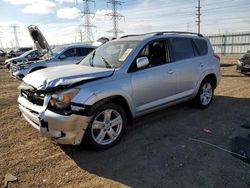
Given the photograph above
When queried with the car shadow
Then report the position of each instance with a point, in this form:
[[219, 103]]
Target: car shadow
[[157, 150], [234, 76], [227, 65]]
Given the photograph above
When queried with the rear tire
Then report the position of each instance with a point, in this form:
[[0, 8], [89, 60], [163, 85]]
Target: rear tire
[[106, 127], [205, 94]]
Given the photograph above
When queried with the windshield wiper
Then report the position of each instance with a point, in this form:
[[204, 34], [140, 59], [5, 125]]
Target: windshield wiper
[[108, 65], [91, 62]]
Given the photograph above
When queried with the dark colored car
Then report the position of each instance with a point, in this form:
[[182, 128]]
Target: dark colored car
[[18, 52], [243, 65]]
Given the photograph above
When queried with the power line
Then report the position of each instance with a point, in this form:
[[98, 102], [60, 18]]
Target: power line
[[199, 16], [87, 15], [15, 31], [115, 16]]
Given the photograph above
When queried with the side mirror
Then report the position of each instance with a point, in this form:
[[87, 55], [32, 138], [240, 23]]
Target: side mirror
[[142, 62], [62, 57], [28, 56]]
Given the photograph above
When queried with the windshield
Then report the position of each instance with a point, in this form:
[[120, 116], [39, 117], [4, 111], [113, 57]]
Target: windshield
[[110, 55], [57, 50]]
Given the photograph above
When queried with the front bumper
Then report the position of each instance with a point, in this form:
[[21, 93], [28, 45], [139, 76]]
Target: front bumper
[[61, 129], [19, 75]]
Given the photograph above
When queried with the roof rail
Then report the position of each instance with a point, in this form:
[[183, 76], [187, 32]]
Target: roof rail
[[164, 32], [129, 36], [178, 32]]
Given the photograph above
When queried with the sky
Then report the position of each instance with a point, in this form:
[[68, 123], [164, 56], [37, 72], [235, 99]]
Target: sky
[[59, 20]]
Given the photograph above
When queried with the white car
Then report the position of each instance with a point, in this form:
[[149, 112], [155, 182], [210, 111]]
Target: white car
[[62, 55]]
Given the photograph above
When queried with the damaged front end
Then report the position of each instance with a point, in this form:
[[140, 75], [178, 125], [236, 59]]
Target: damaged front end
[[48, 102], [53, 114], [243, 64]]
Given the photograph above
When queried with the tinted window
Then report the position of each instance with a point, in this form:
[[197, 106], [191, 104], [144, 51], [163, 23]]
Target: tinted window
[[201, 46], [70, 53], [83, 51], [182, 48]]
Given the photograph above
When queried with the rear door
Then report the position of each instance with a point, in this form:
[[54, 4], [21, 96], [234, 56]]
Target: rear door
[[153, 85], [188, 65]]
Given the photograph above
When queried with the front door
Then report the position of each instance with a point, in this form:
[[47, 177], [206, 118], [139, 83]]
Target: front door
[[153, 85]]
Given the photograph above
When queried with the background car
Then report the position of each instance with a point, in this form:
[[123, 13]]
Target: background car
[[31, 55], [18, 52], [243, 65], [62, 55], [58, 56], [3, 56]]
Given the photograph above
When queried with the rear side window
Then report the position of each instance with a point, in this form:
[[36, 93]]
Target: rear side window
[[201, 46], [182, 48]]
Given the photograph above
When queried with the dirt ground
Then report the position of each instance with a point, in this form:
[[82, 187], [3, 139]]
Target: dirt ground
[[155, 152]]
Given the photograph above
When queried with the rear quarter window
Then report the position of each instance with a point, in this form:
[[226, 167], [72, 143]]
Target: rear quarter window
[[201, 46]]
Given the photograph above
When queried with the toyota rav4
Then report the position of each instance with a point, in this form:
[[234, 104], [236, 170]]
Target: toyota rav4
[[94, 101]]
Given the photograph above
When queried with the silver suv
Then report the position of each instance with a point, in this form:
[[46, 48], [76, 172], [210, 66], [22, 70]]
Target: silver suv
[[94, 101]]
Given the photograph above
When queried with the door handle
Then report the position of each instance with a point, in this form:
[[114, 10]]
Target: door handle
[[202, 64], [170, 71]]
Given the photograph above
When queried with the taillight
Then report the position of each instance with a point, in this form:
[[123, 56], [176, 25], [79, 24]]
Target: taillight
[[217, 56]]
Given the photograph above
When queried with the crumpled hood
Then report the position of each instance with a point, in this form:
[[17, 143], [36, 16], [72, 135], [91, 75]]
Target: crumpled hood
[[64, 75], [11, 59]]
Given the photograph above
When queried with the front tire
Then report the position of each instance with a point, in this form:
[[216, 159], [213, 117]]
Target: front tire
[[106, 127], [205, 94]]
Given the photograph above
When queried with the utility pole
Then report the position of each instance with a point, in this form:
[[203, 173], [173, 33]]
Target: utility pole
[[199, 16], [115, 16], [1, 44], [15, 31], [81, 35], [87, 15], [187, 27]]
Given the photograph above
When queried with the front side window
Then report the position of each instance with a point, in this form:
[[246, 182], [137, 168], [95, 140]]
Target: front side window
[[182, 48], [83, 51], [110, 55], [58, 50], [155, 52], [70, 53]]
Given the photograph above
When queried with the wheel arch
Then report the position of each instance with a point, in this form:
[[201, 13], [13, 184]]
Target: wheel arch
[[206, 75], [37, 68], [116, 99], [213, 79]]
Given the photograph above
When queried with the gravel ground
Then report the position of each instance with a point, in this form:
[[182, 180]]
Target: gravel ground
[[155, 152]]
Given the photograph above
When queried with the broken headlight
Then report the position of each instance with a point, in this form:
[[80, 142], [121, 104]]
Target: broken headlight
[[62, 100]]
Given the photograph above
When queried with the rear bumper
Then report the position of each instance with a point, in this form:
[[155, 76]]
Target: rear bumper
[[61, 129]]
